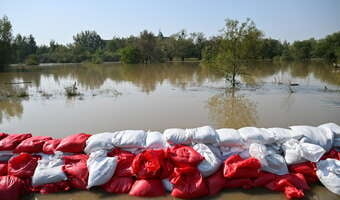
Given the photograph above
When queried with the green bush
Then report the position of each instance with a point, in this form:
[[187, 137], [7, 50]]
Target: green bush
[[130, 55], [32, 60]]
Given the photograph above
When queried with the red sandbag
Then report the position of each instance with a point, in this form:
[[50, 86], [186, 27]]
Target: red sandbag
[[3, 169], [216, 182], [188, 183], [237, 167], [264, 178], [293, 192], [11, 188], [167, 168], [148, 164], [11, 141], [73, 143], [118, 185], [183, 156], [61, 186], [147, 188], [32, 145], [244, 183], [23, 165], [50, 146], [3, 135], [125, 160], [76, 170], [334, 154], [308, 169]]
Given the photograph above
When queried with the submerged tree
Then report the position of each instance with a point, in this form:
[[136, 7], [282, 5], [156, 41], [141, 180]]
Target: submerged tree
[[238, 44]]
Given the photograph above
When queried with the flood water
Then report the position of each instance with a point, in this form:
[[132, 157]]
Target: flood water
[[159, 96]]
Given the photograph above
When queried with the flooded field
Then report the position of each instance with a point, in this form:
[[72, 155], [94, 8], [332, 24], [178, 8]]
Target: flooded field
[[114, 97]]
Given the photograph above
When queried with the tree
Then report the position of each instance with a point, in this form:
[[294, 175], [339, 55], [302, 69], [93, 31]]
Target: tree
[[270, 48], [302, 50], [147, 45], [23, 47], [130, 55], [88, 41], [239, 43], [5, 42]]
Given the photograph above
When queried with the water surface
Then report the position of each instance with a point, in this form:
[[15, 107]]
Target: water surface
[[160, 96]]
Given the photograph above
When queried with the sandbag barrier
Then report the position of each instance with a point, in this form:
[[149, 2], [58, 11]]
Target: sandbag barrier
[[188, 163]]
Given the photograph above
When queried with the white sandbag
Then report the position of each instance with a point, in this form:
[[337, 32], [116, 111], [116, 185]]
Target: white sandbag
[[336, 142], [245, 154], [6, 155], [101, 168], [273, 163], [333, 127], [134, 150], [155, 140], [100, 141], [328, 172], [167, 184], [311, 152], [292, 152], [229, 137], [129, 139], [256, 135], [177, 136], [216, 150], [320, 136], [210, 164], [49, 170], [204, 135], [229, 151], [282, 135]]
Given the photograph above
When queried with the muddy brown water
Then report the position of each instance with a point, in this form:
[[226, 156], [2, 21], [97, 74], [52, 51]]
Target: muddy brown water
[[159, 96]]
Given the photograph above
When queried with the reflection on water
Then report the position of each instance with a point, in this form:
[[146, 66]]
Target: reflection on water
[[159, 96], [230, 109]]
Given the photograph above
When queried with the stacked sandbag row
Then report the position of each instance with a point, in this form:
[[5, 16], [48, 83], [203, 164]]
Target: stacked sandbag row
[[188, 163]]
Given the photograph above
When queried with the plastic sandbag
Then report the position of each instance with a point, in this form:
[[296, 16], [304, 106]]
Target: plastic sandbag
[[100, 141], [312, 152], [264, 178], [237, 167], [147, 188], [177, 136], [292, 152], [11, 188], [49, 171], [11, 141], [333, 127], [155, 140], [245, 183], [118, 185], [32, 145], [49, 188], [129, 139], [328, 172], [216, 150], [167, 184], [76, 170], [73, 143], [320, 136], [3, 169], [125, 159], [182, 155], [3, 135], [282, 135], [256, 135], [307, 169], [270, 162], [188, 183], [210, 164], [148, 164], [22, 166], [50, 146], [230, 151], [216, 182], [204, 135], [101, 168], [229, 137], [5, 155]]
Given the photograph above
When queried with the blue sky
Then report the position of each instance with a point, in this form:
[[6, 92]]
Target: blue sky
[[61, 19]]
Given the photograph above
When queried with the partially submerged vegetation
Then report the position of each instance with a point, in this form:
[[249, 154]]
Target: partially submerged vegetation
[[147, 47]]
